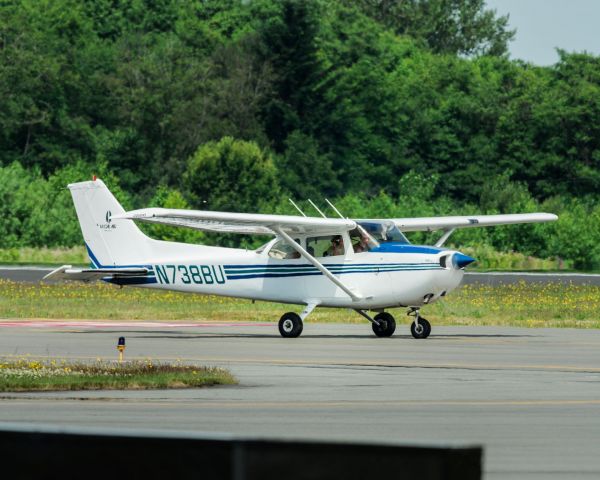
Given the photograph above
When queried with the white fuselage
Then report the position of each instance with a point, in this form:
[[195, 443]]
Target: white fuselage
[[403, 276]]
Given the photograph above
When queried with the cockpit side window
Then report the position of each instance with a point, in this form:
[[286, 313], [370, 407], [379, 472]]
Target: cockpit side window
[[326, 246], [282, 250], [360, 241]]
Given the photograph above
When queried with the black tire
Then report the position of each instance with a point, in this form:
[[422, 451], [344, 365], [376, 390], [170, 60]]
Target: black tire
[[290, 325], [427, 326], [424, 328], [387, 325]]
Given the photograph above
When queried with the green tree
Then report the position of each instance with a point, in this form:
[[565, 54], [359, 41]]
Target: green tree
[[457, 27], [166, 197], [231, 175], [21, 193], [575, 235], [304, 172], [41, 66], [39, 212], [288, 43]]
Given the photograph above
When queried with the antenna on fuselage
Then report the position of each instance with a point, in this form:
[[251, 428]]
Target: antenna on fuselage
[[296, 207], [334, 209], [317, 208]]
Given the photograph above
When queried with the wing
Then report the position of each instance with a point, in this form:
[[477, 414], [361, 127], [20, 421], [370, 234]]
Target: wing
[[250, 223], [67, 272], [447, 223]]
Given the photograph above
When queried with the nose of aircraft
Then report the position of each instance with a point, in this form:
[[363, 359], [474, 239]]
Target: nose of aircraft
[[460, 260]]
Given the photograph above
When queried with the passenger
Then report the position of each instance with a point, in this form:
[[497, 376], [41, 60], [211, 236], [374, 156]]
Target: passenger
[[336, 248]]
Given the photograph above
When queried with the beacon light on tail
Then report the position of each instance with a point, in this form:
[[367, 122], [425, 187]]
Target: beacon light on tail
[[366, 265]]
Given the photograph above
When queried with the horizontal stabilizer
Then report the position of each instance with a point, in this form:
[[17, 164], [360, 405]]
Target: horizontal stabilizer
[[67, 272]]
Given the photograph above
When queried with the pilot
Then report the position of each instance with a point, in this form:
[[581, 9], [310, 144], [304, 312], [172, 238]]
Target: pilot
[[337, 246], [362, 245]]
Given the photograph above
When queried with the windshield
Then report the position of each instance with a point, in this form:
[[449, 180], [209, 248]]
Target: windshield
[[384, 231], [262, 247]]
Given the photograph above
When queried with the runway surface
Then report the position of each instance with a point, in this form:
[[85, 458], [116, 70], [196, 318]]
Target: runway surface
[[35, 274], [531, 397]]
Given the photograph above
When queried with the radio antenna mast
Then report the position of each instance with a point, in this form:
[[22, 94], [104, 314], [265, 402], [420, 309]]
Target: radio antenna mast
[[296, 207], [316, 208], [335, 209]]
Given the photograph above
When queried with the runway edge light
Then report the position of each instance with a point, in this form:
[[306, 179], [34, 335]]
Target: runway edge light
[[121, 348]]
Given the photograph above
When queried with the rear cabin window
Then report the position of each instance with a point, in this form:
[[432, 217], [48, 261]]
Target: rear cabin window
[[326, 246]]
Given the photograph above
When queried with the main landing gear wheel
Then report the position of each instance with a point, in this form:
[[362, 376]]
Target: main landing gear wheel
[[422, 330], [387, 325], [290, 325]]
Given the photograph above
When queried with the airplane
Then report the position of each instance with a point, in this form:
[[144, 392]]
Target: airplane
[[366, 265]]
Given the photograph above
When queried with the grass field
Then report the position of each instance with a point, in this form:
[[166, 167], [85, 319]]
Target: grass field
[[525, 305], [25, 374], [44, 256]]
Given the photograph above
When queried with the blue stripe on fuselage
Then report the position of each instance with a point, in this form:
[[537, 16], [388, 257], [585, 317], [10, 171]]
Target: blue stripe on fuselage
[[280, 274], [397, 247]]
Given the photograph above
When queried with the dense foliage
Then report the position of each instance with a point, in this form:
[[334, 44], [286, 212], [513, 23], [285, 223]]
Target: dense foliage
[[392, 108]]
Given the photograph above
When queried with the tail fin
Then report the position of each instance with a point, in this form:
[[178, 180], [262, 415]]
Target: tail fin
[[109, 243]]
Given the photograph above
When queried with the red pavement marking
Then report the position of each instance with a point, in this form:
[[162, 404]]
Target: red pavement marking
[[96, 324]]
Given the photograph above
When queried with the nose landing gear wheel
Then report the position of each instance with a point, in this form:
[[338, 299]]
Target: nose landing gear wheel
[[290, 325], [422, 330], [387, 325]]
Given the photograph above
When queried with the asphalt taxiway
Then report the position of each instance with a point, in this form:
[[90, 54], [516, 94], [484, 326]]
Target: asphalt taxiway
[[531, 397]]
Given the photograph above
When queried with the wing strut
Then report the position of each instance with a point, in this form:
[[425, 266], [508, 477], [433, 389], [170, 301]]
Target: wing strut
[[444, 237], [316, 263]]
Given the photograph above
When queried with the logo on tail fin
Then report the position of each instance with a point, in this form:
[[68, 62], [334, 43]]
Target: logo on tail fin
[[108, 225]]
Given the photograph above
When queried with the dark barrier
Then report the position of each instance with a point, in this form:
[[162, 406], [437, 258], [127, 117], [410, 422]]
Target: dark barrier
[[54, 454]]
